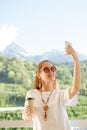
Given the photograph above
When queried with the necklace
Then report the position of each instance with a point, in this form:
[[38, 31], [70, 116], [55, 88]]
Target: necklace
[[46, 107]]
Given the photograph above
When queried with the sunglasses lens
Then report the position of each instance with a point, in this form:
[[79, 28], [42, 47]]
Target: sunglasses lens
[[46, 69], [53, 69]]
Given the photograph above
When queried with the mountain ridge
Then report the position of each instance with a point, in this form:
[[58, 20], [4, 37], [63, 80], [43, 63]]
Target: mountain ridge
[[14, 50]]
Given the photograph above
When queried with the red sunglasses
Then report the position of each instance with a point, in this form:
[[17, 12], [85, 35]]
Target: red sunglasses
[[47, 69]]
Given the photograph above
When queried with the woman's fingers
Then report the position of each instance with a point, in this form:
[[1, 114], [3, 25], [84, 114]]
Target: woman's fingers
[[28, 110], [69, 49]]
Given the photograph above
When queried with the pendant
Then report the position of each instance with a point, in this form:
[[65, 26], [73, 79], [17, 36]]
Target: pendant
[[46, 107], [45, 115]]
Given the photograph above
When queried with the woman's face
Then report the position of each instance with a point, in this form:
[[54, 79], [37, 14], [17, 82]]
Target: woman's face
[[47, 72]]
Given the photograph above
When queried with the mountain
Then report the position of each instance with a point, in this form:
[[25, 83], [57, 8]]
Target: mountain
[[55, 56], [13, 50]]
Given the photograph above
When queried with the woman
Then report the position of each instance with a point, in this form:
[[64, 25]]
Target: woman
[[50, 102]]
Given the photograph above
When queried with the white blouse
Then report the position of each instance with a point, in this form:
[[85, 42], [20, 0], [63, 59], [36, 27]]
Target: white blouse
[[57, 118]]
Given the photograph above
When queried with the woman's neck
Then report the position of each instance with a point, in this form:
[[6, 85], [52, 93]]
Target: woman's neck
[[47, 87]]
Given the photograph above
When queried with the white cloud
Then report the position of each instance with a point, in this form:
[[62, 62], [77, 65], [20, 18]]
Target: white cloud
[[8, 34]]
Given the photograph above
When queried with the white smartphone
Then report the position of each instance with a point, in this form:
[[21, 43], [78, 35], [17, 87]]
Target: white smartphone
[[68, 43]]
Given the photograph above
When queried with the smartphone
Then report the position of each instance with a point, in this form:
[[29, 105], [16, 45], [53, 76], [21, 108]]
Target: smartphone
[[67, 43]]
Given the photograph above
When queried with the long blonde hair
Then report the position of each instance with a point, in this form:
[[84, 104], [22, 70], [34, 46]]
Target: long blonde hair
[[37, 82]]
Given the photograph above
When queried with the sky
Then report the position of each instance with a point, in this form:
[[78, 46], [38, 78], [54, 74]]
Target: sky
[[43, 25]]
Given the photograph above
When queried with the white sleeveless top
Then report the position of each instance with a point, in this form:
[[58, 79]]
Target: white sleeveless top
[[57, 118]]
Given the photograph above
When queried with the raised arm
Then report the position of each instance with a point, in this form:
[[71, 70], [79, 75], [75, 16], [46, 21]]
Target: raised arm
[[77, 73]]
